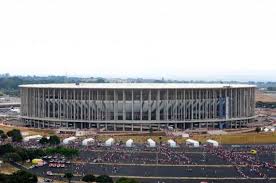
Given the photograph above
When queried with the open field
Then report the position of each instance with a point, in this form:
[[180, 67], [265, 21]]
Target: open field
[[43, 132], [245, 138], [242, 138], [265, 97]]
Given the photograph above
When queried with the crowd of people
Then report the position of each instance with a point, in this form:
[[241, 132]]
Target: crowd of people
[[246, 164], [243, 160]]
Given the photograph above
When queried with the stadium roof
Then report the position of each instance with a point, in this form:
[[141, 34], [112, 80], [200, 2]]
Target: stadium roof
[[137, 85]]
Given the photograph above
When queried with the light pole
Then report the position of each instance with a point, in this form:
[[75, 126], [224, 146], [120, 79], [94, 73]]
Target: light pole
[[157, 157], [158, 150]]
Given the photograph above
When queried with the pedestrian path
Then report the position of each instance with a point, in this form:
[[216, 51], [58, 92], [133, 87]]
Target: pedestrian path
[[177, 178], [162, 165]]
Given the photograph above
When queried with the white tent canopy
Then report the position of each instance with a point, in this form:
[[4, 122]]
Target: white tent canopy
[[69, 140], [192, 142], [172, 143], [185, 135], [33, 137], [151, 143], [129, 143], [212, 142], [109, 142], [88, 141]]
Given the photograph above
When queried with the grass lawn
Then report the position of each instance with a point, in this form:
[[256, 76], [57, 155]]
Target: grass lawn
[[245, 138], [43, 132]]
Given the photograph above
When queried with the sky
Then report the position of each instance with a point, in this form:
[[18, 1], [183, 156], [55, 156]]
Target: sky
[[189, 40]]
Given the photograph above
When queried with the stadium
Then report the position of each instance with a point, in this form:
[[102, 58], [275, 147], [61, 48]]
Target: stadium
[[137, 106]]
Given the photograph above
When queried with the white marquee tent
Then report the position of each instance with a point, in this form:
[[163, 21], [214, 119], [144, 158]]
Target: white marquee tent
[[185, 135], [151, 143], [129, 143], [212, 142], [109, 142], [88, 141], [33, 137], [192, 142], [69, 140], [172, 143]]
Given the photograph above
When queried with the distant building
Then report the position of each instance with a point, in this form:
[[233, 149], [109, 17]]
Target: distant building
[[137, 106]]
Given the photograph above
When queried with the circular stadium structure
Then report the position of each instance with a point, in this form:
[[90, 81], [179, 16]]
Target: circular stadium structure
[[137, 106]]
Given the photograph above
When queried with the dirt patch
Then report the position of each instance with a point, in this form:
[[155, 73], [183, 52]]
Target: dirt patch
[[264, 97], [30, 131], [6, 168]]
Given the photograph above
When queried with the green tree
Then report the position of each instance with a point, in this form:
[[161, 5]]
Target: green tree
[[54, 140], [9, 133], [4, 136], [258, 129], [89, 178], [6, 148], [12, 157], [68, 152], [126, 180], [4, 178], [43, 140], [29, 154], [1, 132], [68, 176], [23, 177], [104, 179], [15, 134], [23, 153], [17, 137]]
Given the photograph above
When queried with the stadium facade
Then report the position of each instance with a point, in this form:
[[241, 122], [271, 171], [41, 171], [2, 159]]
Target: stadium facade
[[137, 106]]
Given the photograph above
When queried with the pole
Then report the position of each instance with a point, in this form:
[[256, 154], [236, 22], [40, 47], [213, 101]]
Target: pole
[[157, 155]]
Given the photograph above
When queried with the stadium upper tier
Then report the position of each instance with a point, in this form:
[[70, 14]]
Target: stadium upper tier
[[137, 86]]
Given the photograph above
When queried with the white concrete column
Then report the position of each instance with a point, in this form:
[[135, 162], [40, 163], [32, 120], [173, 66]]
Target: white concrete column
[[175, 106], [192, 113], [81, 105], [158, 105], [115, 105], [74, 106], [141, 105], [184, 108], [149, 105], [124, 105], [132, 106], [167, 105], [89, 102]]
